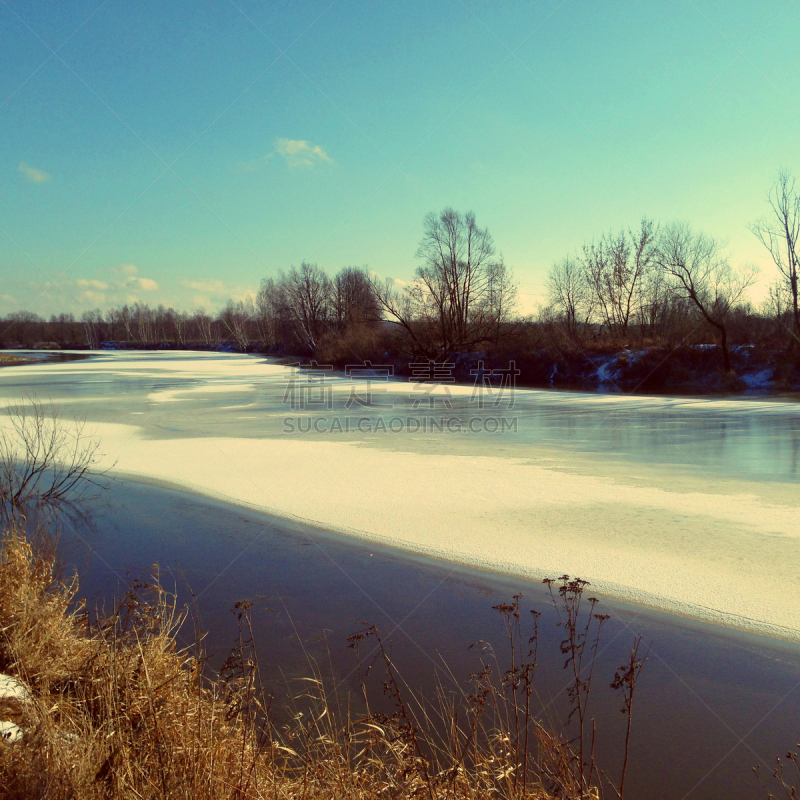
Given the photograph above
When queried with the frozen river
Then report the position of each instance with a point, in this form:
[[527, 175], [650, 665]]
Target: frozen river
[[690, 506]]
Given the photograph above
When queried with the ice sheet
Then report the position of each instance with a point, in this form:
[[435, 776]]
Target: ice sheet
[[687, 505]]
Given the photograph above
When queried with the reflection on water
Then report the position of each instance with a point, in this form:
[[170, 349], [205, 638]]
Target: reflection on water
[[711, 705], [26, 357], [735, 440]]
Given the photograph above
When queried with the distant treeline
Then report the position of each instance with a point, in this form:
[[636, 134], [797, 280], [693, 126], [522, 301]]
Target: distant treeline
[[650, 287]]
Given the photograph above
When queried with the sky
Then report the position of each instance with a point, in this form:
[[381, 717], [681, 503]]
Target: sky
[[180, 152]]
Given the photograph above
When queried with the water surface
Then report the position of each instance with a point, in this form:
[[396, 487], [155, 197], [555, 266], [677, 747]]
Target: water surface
[[711, 704]]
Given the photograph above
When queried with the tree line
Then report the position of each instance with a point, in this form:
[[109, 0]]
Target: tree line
[[648, 286], [660, 285], [462, 297]]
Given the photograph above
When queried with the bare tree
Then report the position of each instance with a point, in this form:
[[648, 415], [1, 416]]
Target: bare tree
[[498, 307], [236, 318], [780, 234], [778, 302], [397, 308], [700, 274], [307, 293], [268, 313], [454, 278], [615, 269], [353, 300], [144, 321], [462, 295], [204, 327], [661, 314], [125, 318], [180, 325], [569, 293], [158, 322], [92, 320], [44, 461], [114, 324], [65, 330]]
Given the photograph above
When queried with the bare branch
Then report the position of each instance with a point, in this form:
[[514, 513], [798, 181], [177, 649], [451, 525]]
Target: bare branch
[[44, 461]]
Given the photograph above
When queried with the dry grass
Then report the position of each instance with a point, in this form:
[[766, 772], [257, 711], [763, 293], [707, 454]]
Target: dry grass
[[119, 710]]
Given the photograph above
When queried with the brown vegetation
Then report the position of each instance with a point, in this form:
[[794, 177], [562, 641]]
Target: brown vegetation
[[119, 709]]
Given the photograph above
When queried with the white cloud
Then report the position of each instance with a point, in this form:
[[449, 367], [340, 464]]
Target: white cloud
[[209, 286], [131, 282], [248, 295], [145, 284], [91, 284], [300, 153], [126, 280], [94, 298], [211, 291], [32, 174]]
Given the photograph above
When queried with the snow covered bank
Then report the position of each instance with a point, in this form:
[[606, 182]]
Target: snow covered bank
[[689, 538]]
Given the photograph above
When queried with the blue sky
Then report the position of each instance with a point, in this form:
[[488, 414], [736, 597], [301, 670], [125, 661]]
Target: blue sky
[[179, 152]]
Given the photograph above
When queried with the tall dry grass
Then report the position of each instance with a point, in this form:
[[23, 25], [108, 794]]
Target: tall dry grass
[[120, 710]]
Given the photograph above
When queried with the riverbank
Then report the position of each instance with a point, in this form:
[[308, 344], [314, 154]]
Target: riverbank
[[21, 358], [681, 370], [116, 705], [675, 370]]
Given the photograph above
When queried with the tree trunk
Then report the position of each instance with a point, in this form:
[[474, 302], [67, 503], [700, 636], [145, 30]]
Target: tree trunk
[[723, 342]]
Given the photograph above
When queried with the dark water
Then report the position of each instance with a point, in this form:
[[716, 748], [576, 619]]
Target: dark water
[[711, 705], [41, 357]]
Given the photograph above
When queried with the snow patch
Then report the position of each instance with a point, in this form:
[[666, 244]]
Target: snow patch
[[759, 380]]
